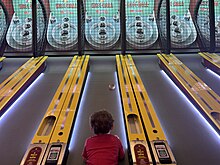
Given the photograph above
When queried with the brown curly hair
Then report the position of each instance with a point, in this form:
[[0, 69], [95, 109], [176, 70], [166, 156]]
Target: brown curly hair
[[101, 122]]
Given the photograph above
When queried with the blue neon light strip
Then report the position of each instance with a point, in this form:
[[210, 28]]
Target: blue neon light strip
[[124, 138], [79, 115], [11, 109], [213, 73], [215, 134]]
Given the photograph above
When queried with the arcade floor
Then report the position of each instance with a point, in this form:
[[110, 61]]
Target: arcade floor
[[192, 141]]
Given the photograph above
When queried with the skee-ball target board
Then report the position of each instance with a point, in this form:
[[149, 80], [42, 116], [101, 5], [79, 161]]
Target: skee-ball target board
[[62, 33], [182, 29], [3, 23], [102, 23], [19, 35], [141, 27], [203, 20]]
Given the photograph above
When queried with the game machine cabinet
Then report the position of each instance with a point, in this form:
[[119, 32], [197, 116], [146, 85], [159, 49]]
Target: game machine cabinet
[[202, 20], [182, 29], [3, 29], [102, 23], [19, 35], [62, 33], [141, 27]]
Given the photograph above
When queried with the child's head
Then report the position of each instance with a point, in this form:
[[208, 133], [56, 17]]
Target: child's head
[[101, 122]]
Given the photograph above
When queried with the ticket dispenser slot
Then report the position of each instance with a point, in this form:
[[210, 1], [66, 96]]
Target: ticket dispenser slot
[[53, 156], [162, 153]]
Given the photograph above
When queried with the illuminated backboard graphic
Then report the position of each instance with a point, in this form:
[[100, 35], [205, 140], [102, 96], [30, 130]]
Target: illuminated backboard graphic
[[141, 27], [19, 35], [3, 24], [203, 20], [102, 26], [182, 29], [62, 28]]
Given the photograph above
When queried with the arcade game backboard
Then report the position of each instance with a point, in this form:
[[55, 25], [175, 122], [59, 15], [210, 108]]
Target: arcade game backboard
[[141, 27], [19, 35], [3, 25], [203, 21], [102, 23], [183, 33], [62, 32]]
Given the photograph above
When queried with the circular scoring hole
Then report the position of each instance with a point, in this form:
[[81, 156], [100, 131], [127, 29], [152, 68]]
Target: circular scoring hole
[[60, 133], [154, 131]]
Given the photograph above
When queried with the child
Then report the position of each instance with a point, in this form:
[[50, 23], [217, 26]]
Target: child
[[103, 148]]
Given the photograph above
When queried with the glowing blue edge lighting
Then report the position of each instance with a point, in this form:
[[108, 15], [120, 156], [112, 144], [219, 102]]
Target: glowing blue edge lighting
[[22, 96], [79, 114], [193, 107], [124, 138], [215, 74]]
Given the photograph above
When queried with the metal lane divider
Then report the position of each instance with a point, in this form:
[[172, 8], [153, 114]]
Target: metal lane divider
[[156, 142], [15, 84], [211, 61], [42, 142], [203, 97]]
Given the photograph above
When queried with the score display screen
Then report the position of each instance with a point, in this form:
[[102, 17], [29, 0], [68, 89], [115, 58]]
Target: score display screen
[[138, 7], [23, 8], [99, 8], [179, 7], [64, 7], [204, 8]]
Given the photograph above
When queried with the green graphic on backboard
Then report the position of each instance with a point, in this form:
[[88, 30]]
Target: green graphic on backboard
[[2, 23], [99, 8], [179, 7], [62, 28], [182, 29], [139, 7], [141, 27], [19, 35], [204, 8], [102, 29], [23, 8], [63, 8], [203, 20]]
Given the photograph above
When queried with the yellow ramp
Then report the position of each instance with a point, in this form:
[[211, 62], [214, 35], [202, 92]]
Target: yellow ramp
[[203, 97], [54, 130], [15, 84], [154, 137], [211, 61]]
